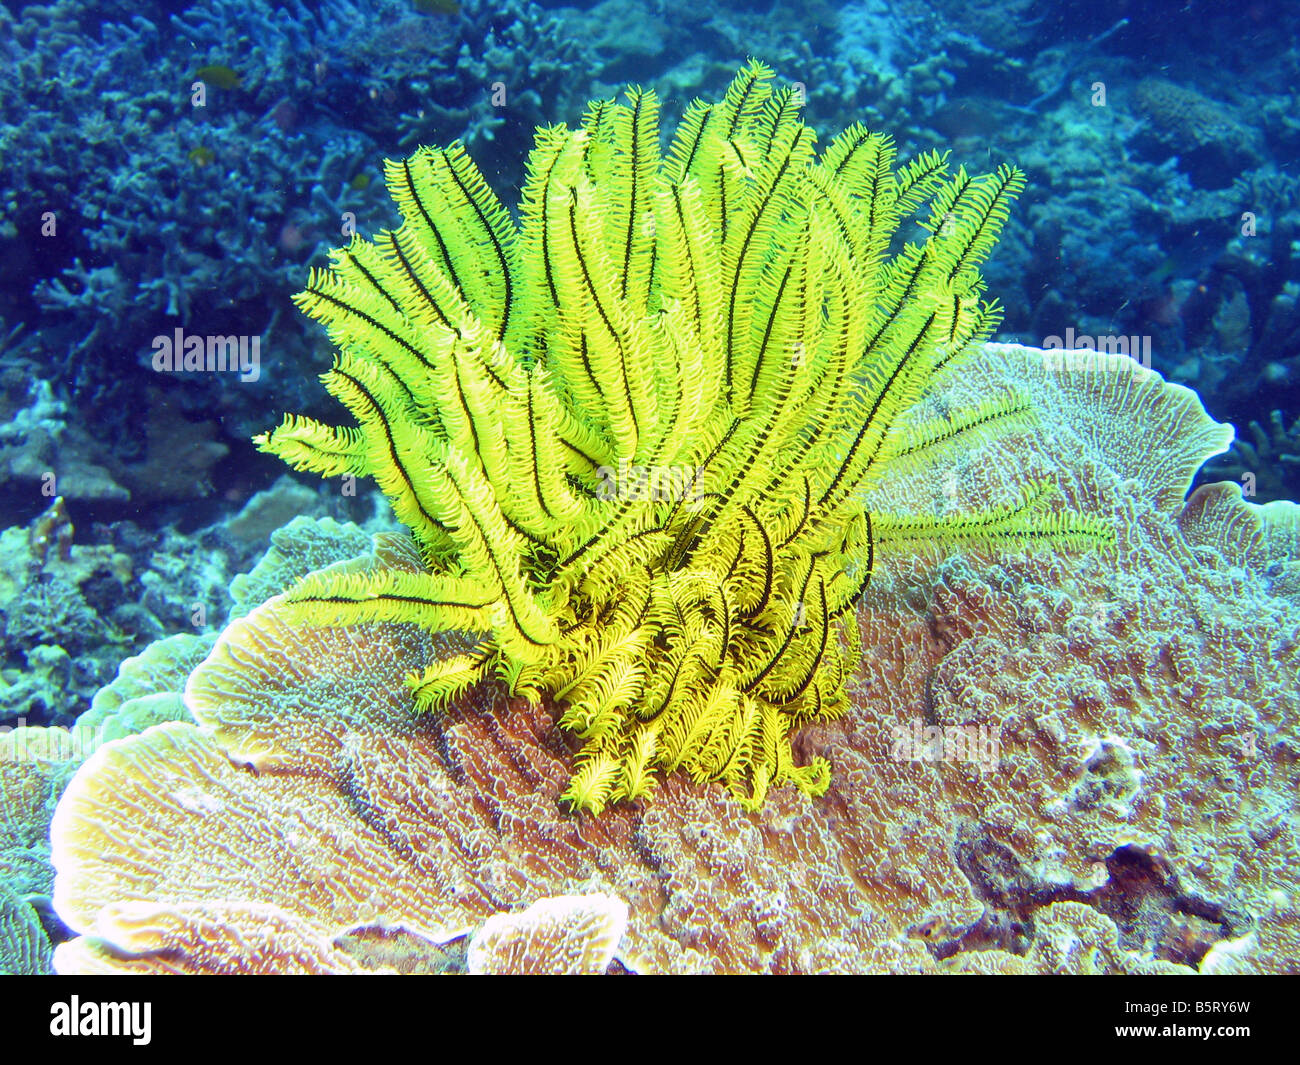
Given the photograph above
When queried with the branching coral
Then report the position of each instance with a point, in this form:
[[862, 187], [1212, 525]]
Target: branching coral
[[1266, 463], [632, 434]]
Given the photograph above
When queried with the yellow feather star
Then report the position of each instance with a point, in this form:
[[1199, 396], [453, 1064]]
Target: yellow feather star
[[631, 433]]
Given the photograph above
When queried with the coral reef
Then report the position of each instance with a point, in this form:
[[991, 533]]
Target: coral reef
[[36, 762], [127, 208], [1211, 141], [303, 546], [73, 604], [1052, 762], [146, 691], [24, 948], [36, 444], [139, 197], [1266, 465], [269, 510], [35, 766], [1140, 814], [56, 645], [567, 936]]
